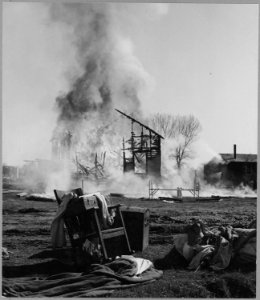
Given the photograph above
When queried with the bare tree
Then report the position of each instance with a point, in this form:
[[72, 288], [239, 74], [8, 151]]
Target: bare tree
[[183, 129]]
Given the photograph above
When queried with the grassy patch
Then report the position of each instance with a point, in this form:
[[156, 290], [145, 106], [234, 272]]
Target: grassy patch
[[26, 232], [171, 285], [29, 210], [233, 285], [36, 232]]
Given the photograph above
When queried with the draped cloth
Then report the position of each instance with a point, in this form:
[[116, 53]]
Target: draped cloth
[[100, 281], [58, 238]]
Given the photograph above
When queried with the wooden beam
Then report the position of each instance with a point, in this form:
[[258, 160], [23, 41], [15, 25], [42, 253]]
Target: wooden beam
[[134, 120]]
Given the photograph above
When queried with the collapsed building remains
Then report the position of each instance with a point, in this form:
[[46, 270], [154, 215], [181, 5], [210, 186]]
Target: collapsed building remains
[[96, 172], [142, 151]]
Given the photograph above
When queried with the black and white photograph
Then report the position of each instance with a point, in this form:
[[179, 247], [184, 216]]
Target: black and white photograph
[[129, 149]]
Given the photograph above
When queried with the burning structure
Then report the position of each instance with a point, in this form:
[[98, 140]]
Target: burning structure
[[142, 152], [108, 76], [233, 170], [61, 147]]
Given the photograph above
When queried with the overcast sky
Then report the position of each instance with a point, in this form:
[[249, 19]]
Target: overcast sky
[[201, 59]]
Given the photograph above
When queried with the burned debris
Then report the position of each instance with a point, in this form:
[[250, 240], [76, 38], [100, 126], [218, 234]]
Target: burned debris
[[94, 172]]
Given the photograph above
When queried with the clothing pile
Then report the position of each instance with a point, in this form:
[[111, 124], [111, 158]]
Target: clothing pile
[[215, 248]]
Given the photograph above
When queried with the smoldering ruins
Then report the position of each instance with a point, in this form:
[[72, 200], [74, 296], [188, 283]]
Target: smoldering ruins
[[125, 195]]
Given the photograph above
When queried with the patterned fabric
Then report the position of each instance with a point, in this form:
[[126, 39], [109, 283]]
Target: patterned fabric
[[100, 281]]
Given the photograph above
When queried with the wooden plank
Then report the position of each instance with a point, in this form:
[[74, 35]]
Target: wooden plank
[[100, 235], [108, 234], [125, 232]]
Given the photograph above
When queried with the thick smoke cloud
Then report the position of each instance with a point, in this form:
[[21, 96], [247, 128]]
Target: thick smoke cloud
[[111, 77], [91, 30]]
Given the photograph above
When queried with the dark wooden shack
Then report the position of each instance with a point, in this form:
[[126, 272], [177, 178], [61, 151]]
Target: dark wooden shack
[[232, 169]]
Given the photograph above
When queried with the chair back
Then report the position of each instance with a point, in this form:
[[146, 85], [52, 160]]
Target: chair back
[[59, 193]]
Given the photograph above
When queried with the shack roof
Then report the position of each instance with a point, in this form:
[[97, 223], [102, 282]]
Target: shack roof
[[228, 157]]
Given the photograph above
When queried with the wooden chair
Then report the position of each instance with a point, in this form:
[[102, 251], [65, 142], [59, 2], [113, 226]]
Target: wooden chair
[[58, 194], [85, 224]]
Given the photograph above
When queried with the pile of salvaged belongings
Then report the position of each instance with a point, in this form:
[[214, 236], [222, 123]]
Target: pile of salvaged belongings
[[57, 227], [215, 248], [101, 280]]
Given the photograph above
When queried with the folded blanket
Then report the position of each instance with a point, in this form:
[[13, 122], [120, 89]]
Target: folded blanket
[[100, 281]]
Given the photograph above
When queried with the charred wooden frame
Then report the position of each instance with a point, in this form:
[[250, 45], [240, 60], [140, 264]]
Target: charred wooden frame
[[143, 148]]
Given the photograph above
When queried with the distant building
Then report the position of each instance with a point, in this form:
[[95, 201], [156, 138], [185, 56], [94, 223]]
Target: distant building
[[232, 169], [10, 172]]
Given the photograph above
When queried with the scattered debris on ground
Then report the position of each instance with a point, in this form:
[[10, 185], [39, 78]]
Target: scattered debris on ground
[[22, 230]]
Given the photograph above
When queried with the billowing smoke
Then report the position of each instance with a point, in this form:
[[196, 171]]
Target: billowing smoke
[[109, 76], [110, 72]]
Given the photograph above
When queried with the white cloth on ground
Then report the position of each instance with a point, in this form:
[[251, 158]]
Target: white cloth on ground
[[142, 264]]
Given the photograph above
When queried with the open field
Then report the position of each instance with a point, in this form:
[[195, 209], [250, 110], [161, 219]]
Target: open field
[[26, 231]]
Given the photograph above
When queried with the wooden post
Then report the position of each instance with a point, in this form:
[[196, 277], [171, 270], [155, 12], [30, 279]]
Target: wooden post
[[195, 183], [82, 185], [124, 167], [142, 133], [132, 145]]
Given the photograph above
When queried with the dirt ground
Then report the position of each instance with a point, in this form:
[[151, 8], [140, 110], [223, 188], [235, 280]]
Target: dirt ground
[[26, 231]]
